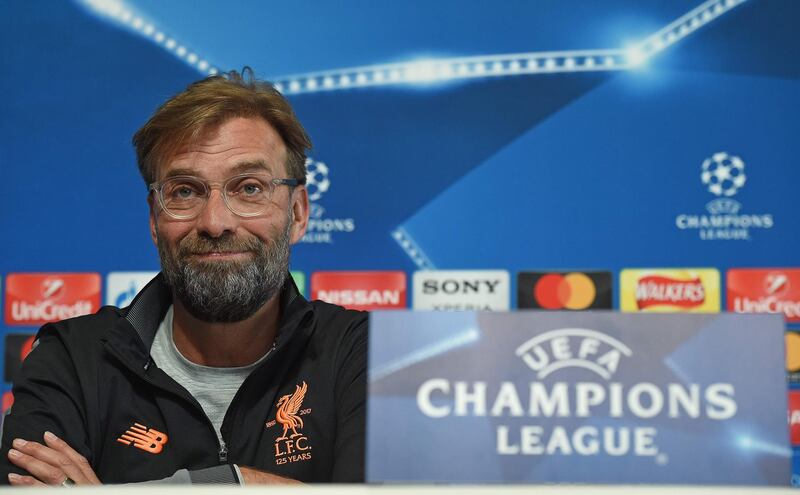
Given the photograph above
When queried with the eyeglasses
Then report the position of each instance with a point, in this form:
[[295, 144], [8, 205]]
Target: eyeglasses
[[247, 195]]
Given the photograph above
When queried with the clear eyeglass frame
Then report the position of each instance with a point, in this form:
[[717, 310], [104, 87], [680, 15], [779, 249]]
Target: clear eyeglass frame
[[205, 187]]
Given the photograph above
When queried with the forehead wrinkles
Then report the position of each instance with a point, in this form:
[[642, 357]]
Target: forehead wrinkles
[[234, 138]]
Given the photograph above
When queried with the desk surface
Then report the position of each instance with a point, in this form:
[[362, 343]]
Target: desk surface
[[434, 490]]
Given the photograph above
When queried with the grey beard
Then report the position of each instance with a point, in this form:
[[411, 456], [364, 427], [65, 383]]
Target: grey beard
[[226, 291]]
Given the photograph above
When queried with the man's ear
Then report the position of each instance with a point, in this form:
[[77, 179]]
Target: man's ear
[[299, 199], [151, 203]]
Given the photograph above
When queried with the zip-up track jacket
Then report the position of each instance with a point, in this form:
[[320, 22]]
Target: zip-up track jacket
[[300, 414]]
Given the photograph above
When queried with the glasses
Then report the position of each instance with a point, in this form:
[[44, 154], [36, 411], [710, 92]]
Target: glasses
[[247, 195]]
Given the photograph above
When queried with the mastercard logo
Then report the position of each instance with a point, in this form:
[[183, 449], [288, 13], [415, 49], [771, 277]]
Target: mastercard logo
[[564, 290], [570, 291]]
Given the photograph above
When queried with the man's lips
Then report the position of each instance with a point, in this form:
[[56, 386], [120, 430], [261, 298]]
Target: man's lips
[[221, 254]]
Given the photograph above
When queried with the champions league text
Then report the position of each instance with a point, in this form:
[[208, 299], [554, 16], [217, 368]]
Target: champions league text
[[439, 398]]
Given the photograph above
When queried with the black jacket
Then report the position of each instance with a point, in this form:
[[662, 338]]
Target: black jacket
[[91, 381]]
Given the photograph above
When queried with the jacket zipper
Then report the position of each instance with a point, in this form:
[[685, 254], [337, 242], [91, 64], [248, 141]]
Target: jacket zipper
[[222, 453]]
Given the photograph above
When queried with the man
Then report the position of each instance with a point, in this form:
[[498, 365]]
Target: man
[[219, 371]]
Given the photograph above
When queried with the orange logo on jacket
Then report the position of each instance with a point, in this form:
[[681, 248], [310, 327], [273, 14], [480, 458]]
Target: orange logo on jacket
[[144, 438], [292, 445]]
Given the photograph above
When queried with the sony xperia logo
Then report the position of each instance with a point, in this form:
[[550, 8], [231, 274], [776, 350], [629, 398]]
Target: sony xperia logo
[[461, 290]]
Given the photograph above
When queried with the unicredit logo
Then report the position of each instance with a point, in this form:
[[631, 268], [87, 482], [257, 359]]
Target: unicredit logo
[[52, 288], [655, 290], [360, 290], [752, 290], [35, 299]]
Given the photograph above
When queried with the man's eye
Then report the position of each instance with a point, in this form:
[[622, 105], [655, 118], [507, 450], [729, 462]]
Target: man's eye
[[251, 189], [183, 192]]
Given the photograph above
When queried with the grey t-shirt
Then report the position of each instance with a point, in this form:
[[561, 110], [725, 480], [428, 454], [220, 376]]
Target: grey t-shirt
[[213, 388]]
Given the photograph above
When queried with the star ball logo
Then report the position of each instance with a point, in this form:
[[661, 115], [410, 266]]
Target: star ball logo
[[723, 175], [564, 290], [560, 412], [322, 228]]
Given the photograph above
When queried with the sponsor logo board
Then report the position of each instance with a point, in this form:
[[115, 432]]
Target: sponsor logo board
[[794, 417], [18, 346], [479, 290], [668, 290], [300, 281], [8, 401], [37, 298], [365, 291], [564, 290], [792, 341], [122, 287], [773, 290]]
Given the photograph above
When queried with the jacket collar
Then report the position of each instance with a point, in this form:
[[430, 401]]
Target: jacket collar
[[148, 308]]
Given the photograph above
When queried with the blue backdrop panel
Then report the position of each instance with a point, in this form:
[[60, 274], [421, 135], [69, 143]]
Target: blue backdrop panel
[[555, 134]]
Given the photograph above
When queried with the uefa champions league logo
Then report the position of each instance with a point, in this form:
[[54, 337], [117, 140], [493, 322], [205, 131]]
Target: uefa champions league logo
[[321, 227], [317, 180], [723, 174], [724, 219]]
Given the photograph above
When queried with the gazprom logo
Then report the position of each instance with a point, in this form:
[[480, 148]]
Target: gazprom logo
[[573, 348]]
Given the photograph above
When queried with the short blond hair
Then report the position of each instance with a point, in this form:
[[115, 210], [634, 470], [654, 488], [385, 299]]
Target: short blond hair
[[207, 104]]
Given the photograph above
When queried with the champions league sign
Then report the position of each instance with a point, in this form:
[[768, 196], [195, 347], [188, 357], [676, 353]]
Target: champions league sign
[[595, 397]]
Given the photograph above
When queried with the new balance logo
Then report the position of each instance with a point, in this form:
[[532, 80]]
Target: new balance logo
[[144, 438]]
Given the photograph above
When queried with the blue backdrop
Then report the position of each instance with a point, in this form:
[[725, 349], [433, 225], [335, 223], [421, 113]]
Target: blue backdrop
[[548, 134]]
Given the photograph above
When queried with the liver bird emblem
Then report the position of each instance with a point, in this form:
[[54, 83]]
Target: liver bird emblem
[[288, 406]]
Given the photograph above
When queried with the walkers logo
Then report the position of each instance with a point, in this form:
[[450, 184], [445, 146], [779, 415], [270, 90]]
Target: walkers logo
[[18, 346], [723, 175], [573, 347], [775, 290], [122, 287], [794, 417], [322, 229], [564, 290], [670, 290], [38, 298], [292, 445], [365, 291], [144, 438], [476, 290]]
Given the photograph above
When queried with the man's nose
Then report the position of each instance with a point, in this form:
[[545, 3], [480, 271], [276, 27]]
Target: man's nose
[[216, 219]]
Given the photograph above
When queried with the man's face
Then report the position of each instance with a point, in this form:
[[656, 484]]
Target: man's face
[[221, 266]]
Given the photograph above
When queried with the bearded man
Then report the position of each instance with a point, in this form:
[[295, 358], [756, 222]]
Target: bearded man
[[219, 371]]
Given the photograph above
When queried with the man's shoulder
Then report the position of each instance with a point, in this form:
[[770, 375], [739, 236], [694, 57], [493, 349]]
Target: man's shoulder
[[338, 316], [88, 327]]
